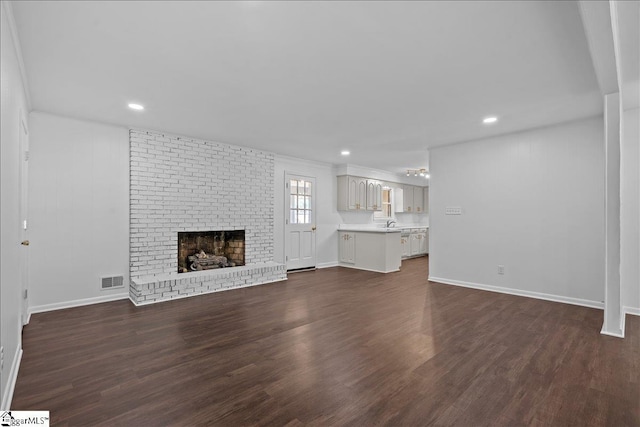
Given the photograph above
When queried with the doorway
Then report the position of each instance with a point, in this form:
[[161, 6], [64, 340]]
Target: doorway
[[300, 222]]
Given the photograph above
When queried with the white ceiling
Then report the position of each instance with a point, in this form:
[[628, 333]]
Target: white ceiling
[[383, 79]]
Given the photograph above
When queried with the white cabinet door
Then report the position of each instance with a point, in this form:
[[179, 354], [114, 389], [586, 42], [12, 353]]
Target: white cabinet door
[[398, 199], [415, 244], [361, 194], [405, 246], [356, 193], [347, 247], [407, 202], [377, 206], [422, 239], [418, 197], [374, 195]]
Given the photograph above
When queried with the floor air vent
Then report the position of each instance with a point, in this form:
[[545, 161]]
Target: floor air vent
[[112, 282]]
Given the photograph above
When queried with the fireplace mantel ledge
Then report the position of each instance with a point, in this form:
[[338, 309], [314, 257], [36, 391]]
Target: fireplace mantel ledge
[[229, 271]]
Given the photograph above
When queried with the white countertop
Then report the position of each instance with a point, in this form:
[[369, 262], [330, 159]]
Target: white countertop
[[369, 228]]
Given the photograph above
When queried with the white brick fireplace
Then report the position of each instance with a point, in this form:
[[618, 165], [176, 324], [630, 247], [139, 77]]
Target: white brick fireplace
[[187, 185]]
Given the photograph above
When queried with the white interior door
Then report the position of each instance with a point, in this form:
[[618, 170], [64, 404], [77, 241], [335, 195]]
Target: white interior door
[[24, 252], [300, 221]]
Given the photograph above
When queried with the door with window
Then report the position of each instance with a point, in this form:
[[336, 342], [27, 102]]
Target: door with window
[[300, 222]]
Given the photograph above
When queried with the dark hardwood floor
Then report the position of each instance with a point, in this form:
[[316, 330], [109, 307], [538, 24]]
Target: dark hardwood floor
[[332, 347]]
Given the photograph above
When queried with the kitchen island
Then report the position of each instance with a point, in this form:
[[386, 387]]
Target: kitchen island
[[373, 249]]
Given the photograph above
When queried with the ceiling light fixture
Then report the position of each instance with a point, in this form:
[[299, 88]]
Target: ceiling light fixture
[[345, 152], [136, 107], [416, 172], [488, 120]]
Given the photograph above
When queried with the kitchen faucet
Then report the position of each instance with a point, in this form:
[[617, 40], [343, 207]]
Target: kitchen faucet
[[390, 222]]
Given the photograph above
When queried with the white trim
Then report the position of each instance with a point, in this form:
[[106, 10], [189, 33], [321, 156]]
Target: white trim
[[327, 264], [631, 310], [7, 396], [8, 8], [139, 304], [297, 160], [366, 269], [521, 293], [615, 32], [76, 303], [612, 334]]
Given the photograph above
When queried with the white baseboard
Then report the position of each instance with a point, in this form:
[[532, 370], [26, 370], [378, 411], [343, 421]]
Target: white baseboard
[[7, 396], [327, 264], [518, 292], [367, 269], [76, 303], [140, 304], [631, 310], [614, 334]]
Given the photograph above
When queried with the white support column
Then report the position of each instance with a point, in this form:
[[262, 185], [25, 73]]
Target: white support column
[[612, 305]]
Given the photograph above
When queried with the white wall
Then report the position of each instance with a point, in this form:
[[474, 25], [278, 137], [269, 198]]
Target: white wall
[[78, 210], [531, 201], [327, 215], [629, 211], [13, 107]]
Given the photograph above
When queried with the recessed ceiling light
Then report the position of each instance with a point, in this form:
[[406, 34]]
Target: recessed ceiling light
[[345, 152], [490, 120], [136, 107]]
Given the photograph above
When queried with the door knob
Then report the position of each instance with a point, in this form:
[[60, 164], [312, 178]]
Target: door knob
[[313, 228], [25, 243]]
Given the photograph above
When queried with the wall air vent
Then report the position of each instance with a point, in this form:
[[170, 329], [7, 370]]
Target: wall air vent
[[111, 282]]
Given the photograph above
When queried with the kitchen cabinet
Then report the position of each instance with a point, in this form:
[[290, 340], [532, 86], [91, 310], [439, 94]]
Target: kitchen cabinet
[[347, 249], [415, 242], [407, 198], [405, 245], [352, 193], [374, 195], [411, 199], [365, 194], [418, 199], [373, 250], [359, 194]]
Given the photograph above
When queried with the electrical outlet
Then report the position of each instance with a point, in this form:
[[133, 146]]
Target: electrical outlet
[[501, 269]]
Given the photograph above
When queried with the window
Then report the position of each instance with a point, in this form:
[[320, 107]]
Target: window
[[300, 204], [386, 211]]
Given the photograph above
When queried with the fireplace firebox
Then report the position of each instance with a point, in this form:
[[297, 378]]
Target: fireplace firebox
[[206, 250]]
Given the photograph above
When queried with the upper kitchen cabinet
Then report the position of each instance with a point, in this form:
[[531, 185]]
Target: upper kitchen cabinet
[[418, 200], [352, 193], [410, 199], [407, 198], [374, 195]]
